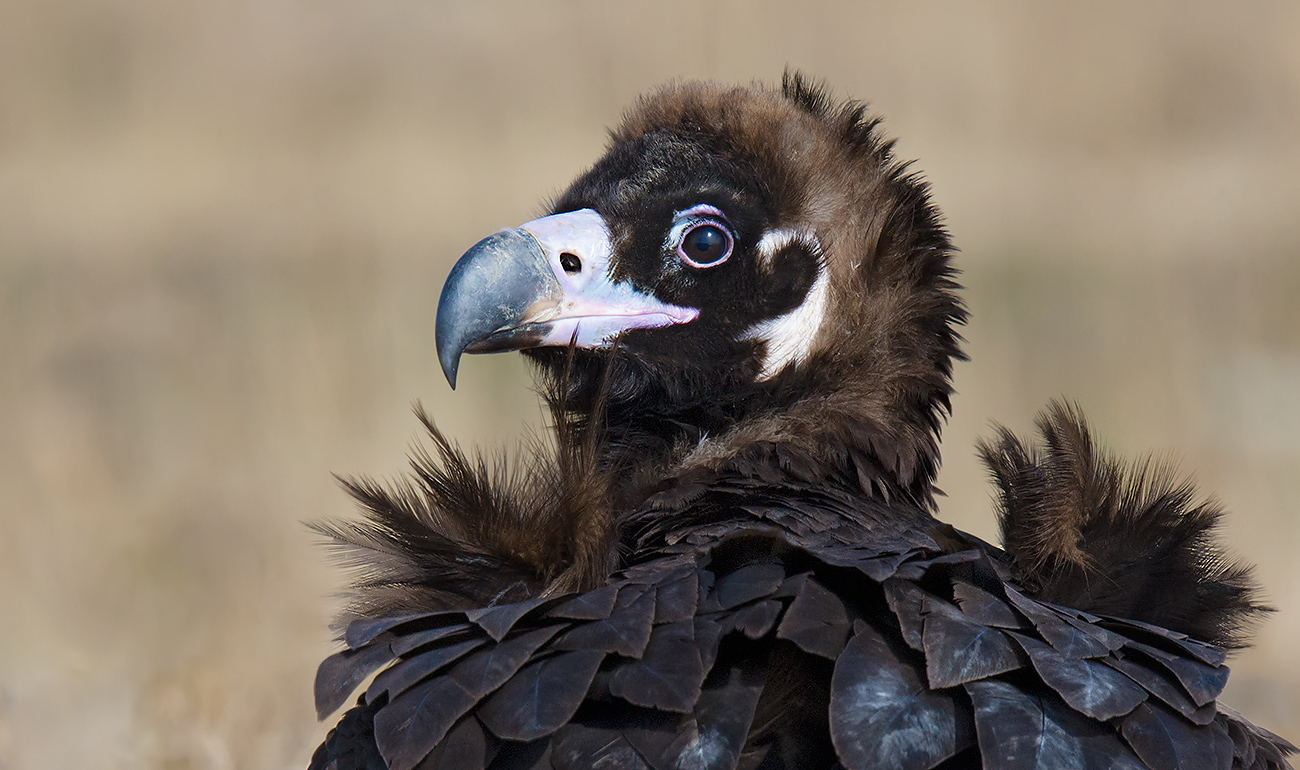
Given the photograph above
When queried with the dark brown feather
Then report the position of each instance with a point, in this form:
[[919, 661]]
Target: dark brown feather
[[475, 530], [1085, 531]]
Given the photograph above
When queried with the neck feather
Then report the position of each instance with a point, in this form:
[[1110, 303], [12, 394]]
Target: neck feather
[[810, 429]]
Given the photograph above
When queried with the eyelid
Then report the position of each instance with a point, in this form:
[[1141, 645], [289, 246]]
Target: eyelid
[[702, 211], [690, 217]]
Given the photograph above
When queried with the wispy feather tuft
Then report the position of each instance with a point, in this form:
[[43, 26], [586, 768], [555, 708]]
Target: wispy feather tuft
[[473, 530], [1084, 531]]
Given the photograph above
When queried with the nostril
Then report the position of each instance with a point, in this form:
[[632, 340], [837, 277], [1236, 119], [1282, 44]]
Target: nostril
[[570, 262]]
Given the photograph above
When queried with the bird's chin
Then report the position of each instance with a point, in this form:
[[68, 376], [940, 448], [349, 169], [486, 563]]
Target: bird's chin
[[575, 377], [616, 373]]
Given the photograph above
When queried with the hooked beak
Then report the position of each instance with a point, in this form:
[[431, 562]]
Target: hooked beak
[[544, 283]]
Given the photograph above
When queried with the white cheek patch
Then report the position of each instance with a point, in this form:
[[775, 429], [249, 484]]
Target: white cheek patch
[[775, 240], [789, 337]]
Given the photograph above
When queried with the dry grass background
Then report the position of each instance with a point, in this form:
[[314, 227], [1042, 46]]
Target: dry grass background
[[223, 229]]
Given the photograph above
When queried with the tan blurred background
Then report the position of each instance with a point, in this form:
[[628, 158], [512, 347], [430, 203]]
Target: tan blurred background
[[224, 226]]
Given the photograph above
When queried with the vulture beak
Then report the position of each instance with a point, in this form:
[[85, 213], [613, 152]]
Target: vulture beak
[[544, 283]]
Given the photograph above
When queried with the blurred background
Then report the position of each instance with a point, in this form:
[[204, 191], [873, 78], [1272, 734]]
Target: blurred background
[[224, 227]]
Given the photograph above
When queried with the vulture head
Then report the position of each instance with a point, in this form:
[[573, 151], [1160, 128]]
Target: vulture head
[[744, 269]]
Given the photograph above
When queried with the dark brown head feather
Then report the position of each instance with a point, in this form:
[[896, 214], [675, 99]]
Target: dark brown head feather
[[1085, 531]]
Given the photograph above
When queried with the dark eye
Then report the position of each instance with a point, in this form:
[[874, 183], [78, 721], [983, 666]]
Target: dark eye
[[705, 245]]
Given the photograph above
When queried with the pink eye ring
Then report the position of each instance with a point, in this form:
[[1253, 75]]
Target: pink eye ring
[[705, 244]]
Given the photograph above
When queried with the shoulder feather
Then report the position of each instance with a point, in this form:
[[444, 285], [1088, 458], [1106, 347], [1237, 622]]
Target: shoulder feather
[[1085, 530]]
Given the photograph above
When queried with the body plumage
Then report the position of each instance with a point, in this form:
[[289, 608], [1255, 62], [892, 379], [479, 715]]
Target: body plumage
[[744, 318]]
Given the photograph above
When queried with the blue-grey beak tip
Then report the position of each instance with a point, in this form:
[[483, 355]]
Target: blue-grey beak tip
[[487, 295], [449, 366]]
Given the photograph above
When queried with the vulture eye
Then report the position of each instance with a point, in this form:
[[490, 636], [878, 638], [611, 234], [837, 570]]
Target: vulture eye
[[705, 245]]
